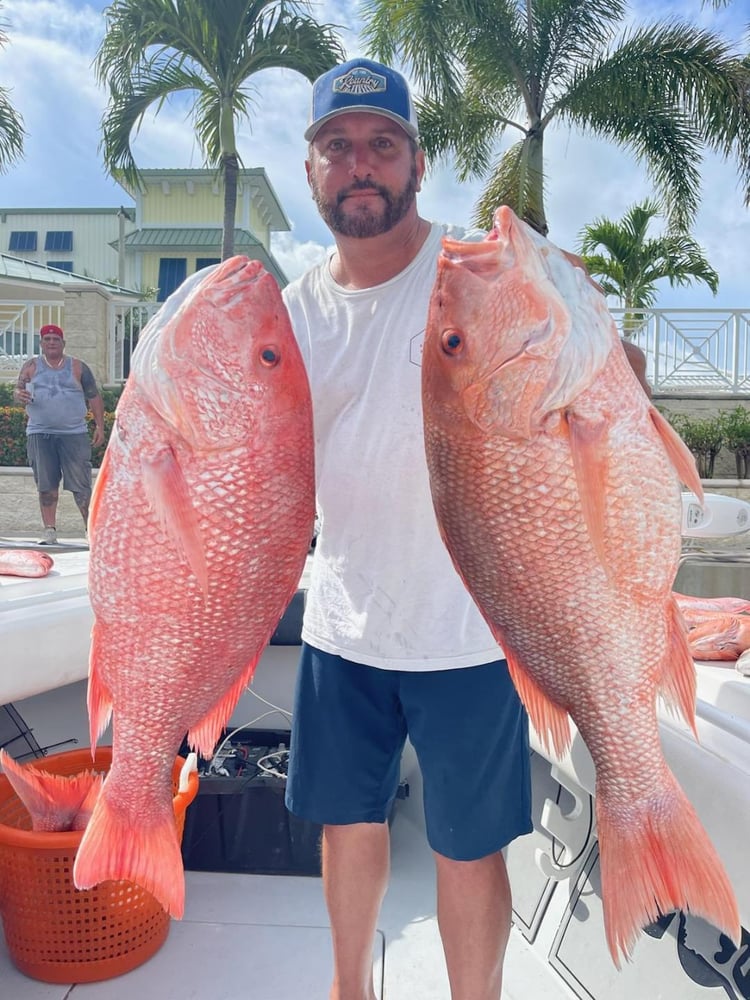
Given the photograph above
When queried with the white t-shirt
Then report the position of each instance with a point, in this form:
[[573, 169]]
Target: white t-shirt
[[383, 590]]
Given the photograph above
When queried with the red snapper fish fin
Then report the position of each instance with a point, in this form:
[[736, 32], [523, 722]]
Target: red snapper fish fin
[[98, 696], [550, 720], [679, 454], [205, 734], [83, 815], [98, 490], [145, 853], [678, 681], [52, 800], [169, 498], [590, 454], [655, 857]]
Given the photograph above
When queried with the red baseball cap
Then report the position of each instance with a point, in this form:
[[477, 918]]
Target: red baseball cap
[[50, 330]]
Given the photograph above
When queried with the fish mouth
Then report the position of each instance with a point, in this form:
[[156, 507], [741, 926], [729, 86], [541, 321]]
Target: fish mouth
[[482, 259]]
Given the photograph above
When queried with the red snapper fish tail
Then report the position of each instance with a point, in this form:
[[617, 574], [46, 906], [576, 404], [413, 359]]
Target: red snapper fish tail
[[146, 853], [55, 802], [656, 857]]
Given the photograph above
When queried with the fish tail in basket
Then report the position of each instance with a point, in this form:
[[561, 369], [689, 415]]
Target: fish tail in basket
[[147, 853], [654, 859]]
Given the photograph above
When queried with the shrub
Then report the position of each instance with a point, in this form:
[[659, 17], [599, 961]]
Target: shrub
[[736, 428], [13, 437], [704, 436]]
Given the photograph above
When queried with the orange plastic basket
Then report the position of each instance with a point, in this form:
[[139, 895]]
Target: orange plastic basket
[[55, 932]]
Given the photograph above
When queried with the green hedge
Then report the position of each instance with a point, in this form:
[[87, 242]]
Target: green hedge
[[13, 426], [13, 437], [706, 436]]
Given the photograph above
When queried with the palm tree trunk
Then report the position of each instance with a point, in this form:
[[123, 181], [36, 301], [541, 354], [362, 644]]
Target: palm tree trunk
[[533, 154], [230, 172]]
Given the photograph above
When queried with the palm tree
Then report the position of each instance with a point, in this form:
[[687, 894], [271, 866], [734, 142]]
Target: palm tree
[[628, 265], [153, 49], [11, 123], [664, 92]]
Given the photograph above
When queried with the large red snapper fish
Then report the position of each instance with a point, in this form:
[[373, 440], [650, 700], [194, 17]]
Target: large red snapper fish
[[200, 522], [556, 486]]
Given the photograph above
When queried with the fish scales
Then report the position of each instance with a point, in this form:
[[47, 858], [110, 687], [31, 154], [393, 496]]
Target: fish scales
[[200, 524], [556, 489]]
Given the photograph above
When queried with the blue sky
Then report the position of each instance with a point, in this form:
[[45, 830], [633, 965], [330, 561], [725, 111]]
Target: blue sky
[[47, 63]]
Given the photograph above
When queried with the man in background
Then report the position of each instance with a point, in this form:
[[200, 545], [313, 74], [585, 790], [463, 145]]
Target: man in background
[[57, 391]]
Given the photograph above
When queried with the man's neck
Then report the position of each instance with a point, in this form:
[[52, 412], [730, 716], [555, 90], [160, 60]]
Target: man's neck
[[364, 263]]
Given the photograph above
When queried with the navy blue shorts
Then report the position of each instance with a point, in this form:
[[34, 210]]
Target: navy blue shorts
[[467, 726], [61, 456]]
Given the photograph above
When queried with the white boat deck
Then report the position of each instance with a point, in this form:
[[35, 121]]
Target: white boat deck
[[265, 937]]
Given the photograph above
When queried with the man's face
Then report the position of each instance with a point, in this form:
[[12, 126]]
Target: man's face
[[364, 174], [52, 344]]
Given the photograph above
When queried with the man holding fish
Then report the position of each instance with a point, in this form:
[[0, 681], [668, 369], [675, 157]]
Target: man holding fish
[[382, 660], [426, 384]]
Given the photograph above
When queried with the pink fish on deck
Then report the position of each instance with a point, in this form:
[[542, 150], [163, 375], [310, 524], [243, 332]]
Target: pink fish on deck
[[200, 523], [556, 485], [714, 636], [687, 603], [25, 562], [55, 802]]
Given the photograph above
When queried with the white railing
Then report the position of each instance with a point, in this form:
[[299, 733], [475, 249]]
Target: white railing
[[692, 350], [689, 351], [19, 331], [125, 325]]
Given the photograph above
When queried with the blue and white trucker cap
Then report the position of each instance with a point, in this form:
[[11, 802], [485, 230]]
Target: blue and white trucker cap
[[362, 85]]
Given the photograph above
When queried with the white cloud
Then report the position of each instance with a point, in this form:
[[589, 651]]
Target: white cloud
[[48, 63]]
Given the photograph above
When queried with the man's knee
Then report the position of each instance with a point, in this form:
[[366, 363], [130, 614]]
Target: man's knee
[[48, 497]]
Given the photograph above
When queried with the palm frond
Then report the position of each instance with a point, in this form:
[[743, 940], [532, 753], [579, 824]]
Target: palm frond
[[513, 182], [12, 132]]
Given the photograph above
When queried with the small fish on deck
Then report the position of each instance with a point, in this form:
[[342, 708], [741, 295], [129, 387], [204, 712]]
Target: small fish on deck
[[25, 562]]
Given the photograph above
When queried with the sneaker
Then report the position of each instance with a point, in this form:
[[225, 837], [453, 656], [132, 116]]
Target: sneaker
[[50, 537]]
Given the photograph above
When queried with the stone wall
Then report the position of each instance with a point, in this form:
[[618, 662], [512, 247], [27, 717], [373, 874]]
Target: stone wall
[[86, 325]]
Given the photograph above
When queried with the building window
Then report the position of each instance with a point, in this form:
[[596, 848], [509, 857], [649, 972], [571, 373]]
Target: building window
[[172, 272], [61, 265], [201, 262], [20, 240], [59, 240]]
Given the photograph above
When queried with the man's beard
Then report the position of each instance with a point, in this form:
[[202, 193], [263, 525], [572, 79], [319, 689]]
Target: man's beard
[[363, 224]]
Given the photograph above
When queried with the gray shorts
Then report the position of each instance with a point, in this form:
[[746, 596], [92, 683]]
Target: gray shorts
[[61, 456], [467, 726]]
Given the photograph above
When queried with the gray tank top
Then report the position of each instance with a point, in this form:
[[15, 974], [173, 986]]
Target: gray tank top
[[59, 406]]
